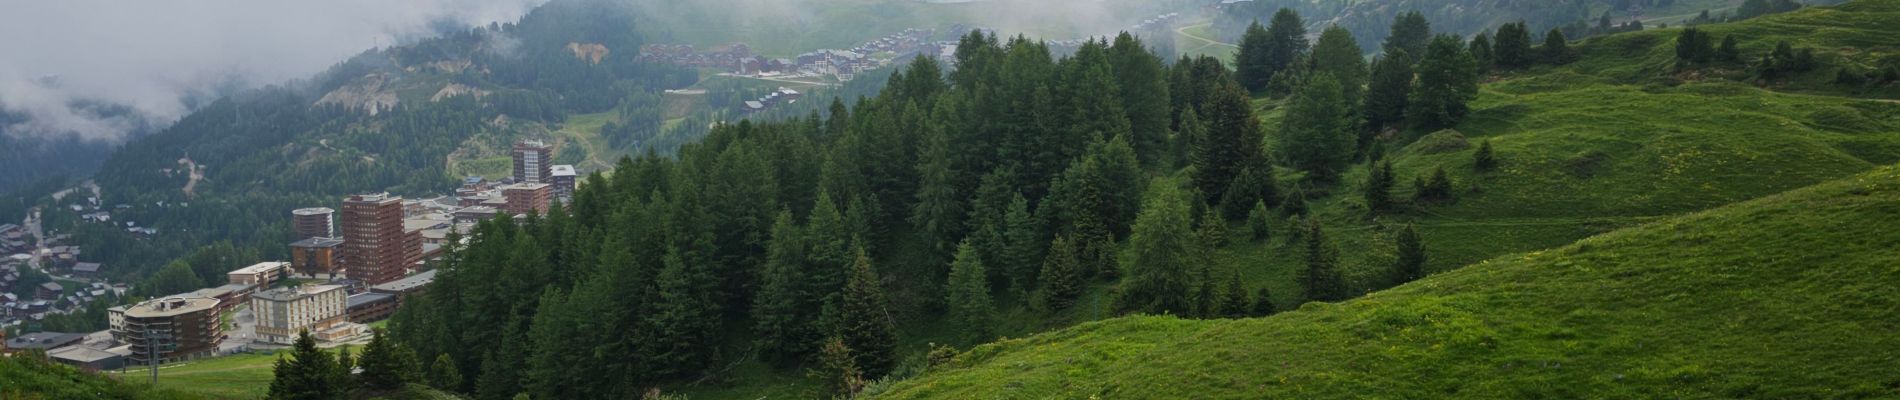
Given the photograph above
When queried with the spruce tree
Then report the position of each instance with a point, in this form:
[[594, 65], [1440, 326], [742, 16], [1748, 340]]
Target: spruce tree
[[1513, 46], [1206, 293], [1378, 187], [384, 364], [1262, 304], [309, 373], [686, 315], [1316, 136], [1447, 79], [1254, 185], [1260, 221], [1142, 78], [968, 296], [1295, 203], [345, 376], [837, 368], [1556, 49], [1159, 278], [1021, 248], [443, 374], [1234, 301], [1338, 54], [1388, 93], [829, 256], [1484, 160], [1232, 141], [1437, 188], [1411, 262], [1728, 52], [783, 311], [1061, 276], [937, 215], [1322, 279], [1286, 43], [1481, 51], [1410, 33], [864, 323], [1250, 61], [1211, 230]]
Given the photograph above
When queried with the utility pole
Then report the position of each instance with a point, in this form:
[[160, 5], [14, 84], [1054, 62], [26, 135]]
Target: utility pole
[[151, 353]]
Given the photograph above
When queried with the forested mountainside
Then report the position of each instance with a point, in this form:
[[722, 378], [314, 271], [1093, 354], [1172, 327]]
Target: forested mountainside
[[1022, 192]]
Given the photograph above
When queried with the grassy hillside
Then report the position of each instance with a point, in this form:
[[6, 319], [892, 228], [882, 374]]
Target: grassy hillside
[[1788, 296], [27, 376]]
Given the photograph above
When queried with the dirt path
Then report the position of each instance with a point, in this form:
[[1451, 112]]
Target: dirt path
[[197, 174], [1210, 42]]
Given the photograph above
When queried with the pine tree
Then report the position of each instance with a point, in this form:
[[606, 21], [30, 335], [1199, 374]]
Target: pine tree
[[829, 256], [1481, 51], [1286, 42], [1321, 279], [864, 323], [938, 212], [1254, 185], [1378, 187], [1484, 160], [444, 375], [345, 376], [1061, 276], [686, 315], [1144, 93], [1158, 283], [1437, 188], [1262, 304], [1513, 46], [1234, 301], [1206, 293], [1021, 248], [1447, 79], [1728, 51], [783, 310], [1260, 222], [1338, 54], [969, 295], [384, 364], [1410, 33], [1411, 262], [1211, 230], [838, 370], [1556, 49], [1232, 141], [1388, 93], [1250, 62], [1295, 203], [309, 373], [1315, 135]]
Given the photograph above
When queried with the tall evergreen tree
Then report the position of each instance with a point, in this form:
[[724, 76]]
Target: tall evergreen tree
[[1061, 276], [784, 309], [1484, 160], [971, 309], [1234, 300], [1315, 136], [1337, 54], [837, 368], [1410, 32], [1556, 49], [1378, 187], [1388, 93], [1411, 262], [938, 213], [1254, 185], [1513, 46], [1262, 304], [1144, 94], [1251, 60], [1447, 80], [1322, 279], [386, 365], [443, 374], [1159, 280], [309, 373], [1259, 221], [864, 323], [1481, 51], [1021, 249], [686, 315], [1232, 140]]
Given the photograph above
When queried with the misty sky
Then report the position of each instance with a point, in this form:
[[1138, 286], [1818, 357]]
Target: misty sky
[[146, 54]]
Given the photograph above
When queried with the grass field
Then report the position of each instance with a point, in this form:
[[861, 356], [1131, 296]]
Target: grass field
[[1783, 297], [239, 376]]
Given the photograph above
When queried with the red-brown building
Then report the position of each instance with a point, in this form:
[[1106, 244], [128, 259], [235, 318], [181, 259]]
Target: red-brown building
[[525, 198], [315, 256], [534, 161], [313, 222], [375, 247]]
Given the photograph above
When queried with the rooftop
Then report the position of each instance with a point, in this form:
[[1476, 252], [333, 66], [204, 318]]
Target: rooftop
[[170, 306], [262, 267], [294, 293], [43, 340], [317, 242], [360, 299], [312, 211], [81, 354], [525, 186], [86, 267], [562, 170], [406, 284]]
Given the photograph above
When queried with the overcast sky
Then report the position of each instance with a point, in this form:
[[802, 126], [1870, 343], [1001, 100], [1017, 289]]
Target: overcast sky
[[146, 54]]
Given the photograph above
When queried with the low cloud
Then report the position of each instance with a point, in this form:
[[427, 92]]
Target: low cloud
[[64, 58]]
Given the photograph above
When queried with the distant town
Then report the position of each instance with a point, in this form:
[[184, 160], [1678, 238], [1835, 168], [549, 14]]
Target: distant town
[[348, 269]]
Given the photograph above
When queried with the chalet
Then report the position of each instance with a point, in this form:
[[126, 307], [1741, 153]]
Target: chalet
[[50, 291], [86, 270]]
